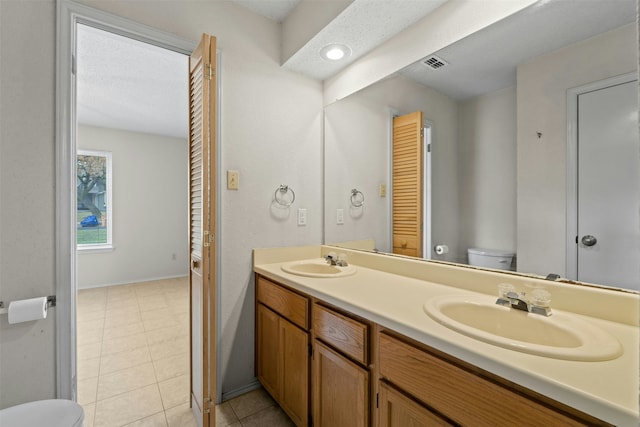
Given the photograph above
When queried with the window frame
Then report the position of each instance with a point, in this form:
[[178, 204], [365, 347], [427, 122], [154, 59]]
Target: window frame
[[108, 246]]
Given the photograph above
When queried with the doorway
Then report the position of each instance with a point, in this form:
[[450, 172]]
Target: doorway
[[70, 15], [604, 179], [411, 185], [132, 317]]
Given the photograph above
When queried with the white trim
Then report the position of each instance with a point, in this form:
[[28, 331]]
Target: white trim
[[572, 163], [255, 384], [218, 241], [426, 203], [129, 282], [94, 249], [69, 14]]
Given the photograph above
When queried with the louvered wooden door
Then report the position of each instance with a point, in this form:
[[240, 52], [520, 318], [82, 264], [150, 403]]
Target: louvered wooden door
[[202, 220], [408, 178]]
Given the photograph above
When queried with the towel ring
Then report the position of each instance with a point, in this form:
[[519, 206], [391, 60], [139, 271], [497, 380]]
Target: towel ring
[[282, 190], [357, 198]]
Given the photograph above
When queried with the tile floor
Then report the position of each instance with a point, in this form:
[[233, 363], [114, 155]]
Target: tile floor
[[133, 361]]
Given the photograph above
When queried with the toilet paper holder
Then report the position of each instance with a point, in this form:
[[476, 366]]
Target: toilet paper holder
[[51, 302]]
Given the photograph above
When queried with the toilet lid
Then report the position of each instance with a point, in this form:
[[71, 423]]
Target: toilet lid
[[51, 413]]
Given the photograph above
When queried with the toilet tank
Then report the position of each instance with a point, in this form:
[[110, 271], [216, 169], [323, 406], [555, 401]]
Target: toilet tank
[[490, 258]]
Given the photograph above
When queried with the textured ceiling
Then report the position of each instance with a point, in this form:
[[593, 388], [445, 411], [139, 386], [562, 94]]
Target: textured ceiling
[[362, 26], [126, 84], [277, 10], [487, 60]]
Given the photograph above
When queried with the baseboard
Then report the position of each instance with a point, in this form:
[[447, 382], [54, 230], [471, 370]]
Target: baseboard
[[133, 281], [242, 390]]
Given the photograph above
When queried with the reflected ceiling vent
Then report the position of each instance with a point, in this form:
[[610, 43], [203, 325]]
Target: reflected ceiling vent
[[435, 62]]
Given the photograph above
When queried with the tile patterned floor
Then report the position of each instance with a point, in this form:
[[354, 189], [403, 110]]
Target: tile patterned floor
[[133, 361]]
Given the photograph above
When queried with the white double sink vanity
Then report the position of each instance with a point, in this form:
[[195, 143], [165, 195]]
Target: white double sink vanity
[[388, 341]]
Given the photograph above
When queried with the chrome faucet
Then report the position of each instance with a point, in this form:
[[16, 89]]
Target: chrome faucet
[[538, 303], [338, 260]]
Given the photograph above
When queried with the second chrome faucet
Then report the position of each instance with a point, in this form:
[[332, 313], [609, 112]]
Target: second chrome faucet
[[537, 303]]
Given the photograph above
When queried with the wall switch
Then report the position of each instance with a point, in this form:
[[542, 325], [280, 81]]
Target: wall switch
[[302, 217], [232, 180], [382, 190], [339, 216]]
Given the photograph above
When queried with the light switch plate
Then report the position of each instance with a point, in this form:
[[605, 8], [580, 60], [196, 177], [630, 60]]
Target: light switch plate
[[302, 217], [339, 216], [383, 190], [233, 180]]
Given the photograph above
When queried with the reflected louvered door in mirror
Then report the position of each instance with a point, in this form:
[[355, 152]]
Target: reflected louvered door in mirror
[[202, 185], [408, 165]]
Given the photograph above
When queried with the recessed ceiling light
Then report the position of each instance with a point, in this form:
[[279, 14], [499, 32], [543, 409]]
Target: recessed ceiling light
[[335, 52]]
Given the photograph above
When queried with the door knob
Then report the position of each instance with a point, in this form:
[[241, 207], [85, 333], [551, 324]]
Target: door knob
[[589, 240]]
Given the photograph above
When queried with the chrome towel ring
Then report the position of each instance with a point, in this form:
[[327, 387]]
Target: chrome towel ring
[[357, 198], [281, 195]]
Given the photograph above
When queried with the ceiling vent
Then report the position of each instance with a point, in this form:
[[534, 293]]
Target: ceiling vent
[[434, 62]]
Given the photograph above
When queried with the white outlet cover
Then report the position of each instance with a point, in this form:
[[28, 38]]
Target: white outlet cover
[[302, 217]]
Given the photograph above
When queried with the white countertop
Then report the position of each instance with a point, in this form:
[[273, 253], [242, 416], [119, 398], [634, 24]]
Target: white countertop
[[607, 390]]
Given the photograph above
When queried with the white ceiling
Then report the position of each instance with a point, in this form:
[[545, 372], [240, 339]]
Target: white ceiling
[[126, 84], [363, 25], [487, 60], [276, 10]]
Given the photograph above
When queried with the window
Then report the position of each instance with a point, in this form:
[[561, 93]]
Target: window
[[93, 217]]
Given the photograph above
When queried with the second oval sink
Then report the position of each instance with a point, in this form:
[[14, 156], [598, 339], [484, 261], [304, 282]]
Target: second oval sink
[[317, 268], [560, 336]]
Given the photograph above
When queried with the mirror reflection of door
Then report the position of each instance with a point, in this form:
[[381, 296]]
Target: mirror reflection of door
[[608, 238], [408, 184]]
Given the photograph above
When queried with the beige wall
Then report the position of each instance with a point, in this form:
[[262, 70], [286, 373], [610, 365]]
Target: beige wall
[[487, 171], [149, 201], [260, 101], [27, 170], [541, 105]]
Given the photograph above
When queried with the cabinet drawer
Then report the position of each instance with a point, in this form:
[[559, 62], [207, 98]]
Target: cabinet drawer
[[460, 395], [344, 333], [288, 304]]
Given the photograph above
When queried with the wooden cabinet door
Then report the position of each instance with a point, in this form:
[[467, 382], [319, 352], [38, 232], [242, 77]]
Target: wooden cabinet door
[[340, 390], [294, 368], [397, 410], [267, 348]]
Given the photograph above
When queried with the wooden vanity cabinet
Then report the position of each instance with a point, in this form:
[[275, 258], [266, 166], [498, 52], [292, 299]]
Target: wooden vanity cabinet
[[282, 347], [359, 374], [398, 410], [459, 392], [340, 372]]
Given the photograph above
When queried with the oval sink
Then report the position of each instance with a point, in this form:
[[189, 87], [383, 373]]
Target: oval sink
[[559, 336], [317, 268]]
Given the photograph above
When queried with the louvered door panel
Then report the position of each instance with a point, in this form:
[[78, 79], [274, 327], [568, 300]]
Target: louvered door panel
[[195, 100], [407, 184], [202, 97]]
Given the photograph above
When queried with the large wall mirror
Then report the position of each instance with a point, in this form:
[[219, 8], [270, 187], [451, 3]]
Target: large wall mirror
[[502, 112]]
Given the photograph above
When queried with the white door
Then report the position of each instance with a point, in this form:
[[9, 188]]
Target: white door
[[608, 240]]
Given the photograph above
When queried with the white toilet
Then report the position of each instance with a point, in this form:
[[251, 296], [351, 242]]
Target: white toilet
[[50, 413], [490, 258]]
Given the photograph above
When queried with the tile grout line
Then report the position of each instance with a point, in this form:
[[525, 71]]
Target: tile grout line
[[152, 361]]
